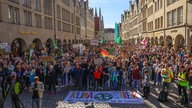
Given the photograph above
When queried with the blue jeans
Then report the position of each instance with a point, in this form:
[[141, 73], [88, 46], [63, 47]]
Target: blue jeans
[[38, 103], [137, 82], [64, 79], [123, 84]]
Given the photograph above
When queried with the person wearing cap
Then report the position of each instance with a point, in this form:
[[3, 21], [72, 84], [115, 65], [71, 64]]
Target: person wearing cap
[[182, 84], [16, 89], [37, 89]]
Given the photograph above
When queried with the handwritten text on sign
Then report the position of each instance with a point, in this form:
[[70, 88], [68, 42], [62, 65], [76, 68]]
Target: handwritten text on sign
[[108, 97]]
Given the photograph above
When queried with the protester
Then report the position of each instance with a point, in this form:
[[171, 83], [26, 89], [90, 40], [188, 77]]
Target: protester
[[182, 85], [146, 84], [51, 77], [16, 89], [167, 75], [37, 89]]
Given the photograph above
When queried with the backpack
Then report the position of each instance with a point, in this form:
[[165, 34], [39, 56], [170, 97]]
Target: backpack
[[163, 96]]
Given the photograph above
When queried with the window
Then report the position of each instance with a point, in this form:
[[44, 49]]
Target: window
[[10, 14], [26, 3], [161, 3], [67, 2], [48, 7], [155, 23], [48, 23], [66, 27], [72, 18], [15, 1], [37, 5], [27, 18], [169, 2], [161, 22], [174, 12], [180, 15], [144, 26], [58, 12], [77, 21], [59, 25], [16, 15], [174, 1], [38, 22], [65, 15], [150, 11], [150, 26], [13, 14], [169, 19]]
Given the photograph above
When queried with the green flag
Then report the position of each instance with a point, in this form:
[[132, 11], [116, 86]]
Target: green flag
[[55, 44], [31, 51], [101, 40], [55, 47], [119, 40]]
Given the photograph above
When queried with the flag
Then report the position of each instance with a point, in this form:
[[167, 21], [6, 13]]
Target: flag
[[55, 44], [104, 53], [101, 40], [144, 42], [31, 51], [55, 47], [119, 40], [116, 34]]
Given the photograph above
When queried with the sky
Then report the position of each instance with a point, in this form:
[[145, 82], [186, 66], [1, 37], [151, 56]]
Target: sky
[[111, 10]]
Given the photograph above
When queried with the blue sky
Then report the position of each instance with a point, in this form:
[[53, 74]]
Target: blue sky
[[111, 10]]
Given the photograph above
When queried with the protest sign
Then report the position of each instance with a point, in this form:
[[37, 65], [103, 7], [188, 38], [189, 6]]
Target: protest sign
[[46, 58]]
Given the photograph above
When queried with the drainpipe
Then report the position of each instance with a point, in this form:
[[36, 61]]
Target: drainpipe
[[54, 20], [164, 24], [186, 35]]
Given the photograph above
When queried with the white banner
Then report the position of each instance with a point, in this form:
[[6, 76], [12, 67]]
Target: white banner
[[94, 42], [104, 97], [3, 45]]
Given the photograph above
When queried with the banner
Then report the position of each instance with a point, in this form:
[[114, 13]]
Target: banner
[[104, 97], [94, 42]]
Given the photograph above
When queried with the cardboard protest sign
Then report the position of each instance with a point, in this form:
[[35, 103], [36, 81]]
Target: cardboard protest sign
[[46, 58]]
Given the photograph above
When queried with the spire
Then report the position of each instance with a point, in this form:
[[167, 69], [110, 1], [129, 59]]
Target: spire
[[95, 12], [99, 12], [103, 23]]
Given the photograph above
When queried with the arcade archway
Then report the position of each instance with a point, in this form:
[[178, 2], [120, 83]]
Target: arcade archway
[[179, 42], [169, 41], [49, 43], [18, 46], [37, 43]]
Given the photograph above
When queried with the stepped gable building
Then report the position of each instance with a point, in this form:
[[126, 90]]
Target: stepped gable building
[[99, 24]]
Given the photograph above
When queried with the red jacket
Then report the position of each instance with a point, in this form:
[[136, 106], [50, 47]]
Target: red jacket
[[97, 74], [136, 74]]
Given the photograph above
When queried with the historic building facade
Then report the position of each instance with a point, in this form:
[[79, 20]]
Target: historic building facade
[[162, 22], [39, 22], [99, 24], [87, 21]]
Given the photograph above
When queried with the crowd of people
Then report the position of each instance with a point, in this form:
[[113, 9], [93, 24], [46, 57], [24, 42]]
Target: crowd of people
[[127, 67]]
